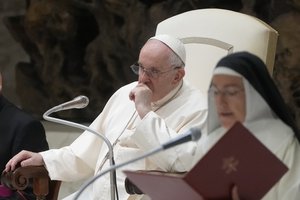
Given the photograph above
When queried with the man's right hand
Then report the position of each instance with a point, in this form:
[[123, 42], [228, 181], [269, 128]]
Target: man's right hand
[[24, 158], [142, 96]]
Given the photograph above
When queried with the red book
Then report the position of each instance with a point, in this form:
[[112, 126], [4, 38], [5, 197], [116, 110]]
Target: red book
[[238, 158]]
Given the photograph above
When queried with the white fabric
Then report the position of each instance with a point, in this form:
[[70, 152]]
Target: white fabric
[[83, 157], [173, 43], [225, 70]]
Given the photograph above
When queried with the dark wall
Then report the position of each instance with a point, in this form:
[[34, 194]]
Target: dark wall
[[71, 47]]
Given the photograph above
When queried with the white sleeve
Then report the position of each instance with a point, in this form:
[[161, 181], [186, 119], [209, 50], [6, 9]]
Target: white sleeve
[[153, 131], [63, 165]]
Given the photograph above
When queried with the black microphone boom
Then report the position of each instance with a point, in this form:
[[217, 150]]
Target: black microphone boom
[[193, 134]]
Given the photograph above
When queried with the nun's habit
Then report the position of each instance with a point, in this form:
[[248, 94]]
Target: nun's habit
[[266, 117]]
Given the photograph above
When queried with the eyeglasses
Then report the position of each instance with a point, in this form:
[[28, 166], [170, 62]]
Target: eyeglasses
[[228, 92], [151, 73]]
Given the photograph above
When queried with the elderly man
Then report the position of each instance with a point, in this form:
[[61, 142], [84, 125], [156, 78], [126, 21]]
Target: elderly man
[[137, 118]]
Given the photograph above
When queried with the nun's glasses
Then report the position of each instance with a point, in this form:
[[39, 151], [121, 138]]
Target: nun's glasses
[[229, 91], [151, 73]]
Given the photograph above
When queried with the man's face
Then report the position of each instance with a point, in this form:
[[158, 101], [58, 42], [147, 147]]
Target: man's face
[[155, 58], [230, 100]]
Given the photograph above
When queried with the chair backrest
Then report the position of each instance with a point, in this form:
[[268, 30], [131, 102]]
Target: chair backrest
[[210, 34]]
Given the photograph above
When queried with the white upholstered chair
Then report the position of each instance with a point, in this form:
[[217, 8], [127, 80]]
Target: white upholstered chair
[[210, 34]]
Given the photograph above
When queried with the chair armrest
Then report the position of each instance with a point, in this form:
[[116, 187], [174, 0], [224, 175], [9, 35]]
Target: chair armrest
[[20, 179]]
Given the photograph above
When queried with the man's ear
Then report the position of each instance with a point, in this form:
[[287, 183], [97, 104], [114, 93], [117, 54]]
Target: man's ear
[[179, 75]]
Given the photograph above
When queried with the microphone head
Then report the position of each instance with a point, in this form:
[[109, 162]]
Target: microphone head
[[195, 133], [80, 102]]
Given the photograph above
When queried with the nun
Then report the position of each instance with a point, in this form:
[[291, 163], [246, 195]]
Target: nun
[[242, 90]]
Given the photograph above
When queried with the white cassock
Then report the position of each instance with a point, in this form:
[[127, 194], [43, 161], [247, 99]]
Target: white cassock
[[176, 113]]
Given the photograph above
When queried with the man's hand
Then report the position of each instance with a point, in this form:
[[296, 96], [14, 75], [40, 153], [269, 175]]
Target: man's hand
[[142, 96], [24, 158]]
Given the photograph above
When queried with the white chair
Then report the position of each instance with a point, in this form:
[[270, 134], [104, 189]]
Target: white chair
[[210, 34]]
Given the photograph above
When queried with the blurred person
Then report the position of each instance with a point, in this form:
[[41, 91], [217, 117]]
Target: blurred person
[[139, 117], [242, 90]]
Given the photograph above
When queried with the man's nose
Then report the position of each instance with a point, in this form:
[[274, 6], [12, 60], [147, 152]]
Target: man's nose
[[143, 77]]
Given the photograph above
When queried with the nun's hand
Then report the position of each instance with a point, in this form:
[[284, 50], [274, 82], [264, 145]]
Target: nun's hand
[[235, 193]]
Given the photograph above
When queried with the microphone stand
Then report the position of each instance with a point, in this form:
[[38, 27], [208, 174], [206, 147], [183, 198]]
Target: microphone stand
[[193, 135], [114, 167], [113, 185]]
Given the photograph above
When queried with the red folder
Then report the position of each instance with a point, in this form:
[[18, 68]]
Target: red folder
[[238, 158]]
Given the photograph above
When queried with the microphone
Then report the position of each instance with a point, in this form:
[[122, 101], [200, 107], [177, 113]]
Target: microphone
[[193, 134], [78, 103]]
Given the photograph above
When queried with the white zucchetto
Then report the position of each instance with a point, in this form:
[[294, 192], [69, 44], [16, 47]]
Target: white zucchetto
[[173, 43]]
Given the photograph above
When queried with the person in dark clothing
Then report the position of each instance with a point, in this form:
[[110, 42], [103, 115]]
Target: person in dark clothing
[[18, 131]]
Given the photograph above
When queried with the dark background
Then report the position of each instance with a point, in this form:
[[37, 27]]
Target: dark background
[[54, 50]]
